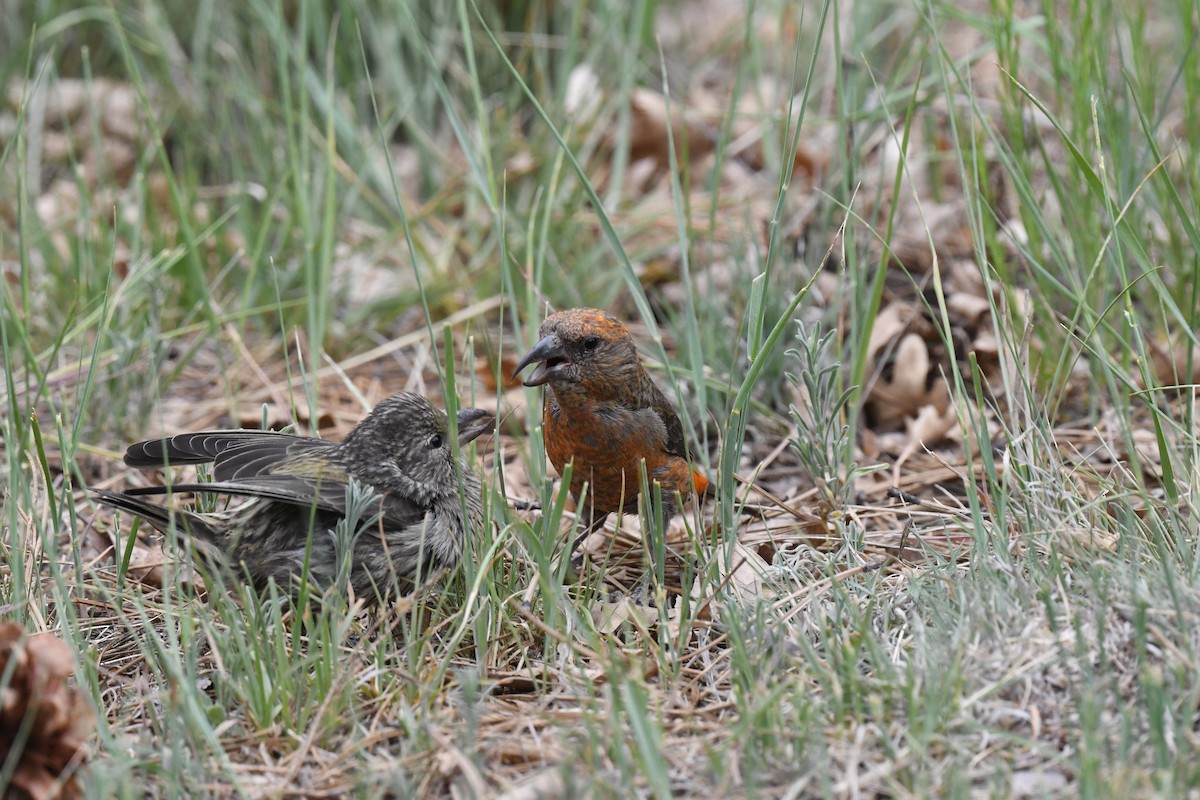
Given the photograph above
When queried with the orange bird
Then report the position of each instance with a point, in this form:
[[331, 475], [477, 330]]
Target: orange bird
[[602, 412]]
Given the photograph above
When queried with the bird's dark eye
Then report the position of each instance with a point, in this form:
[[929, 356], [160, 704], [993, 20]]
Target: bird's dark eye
[[591, 343], [435, 441]]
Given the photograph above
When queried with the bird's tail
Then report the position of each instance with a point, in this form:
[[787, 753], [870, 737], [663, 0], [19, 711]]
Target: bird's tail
[[161, 518]]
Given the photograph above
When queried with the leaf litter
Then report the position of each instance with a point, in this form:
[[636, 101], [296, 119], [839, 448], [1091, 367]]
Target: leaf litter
[[791, 552]]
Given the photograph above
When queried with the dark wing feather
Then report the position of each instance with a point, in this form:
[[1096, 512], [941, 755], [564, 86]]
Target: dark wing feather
[[157, 516], [258, 456], [676, 445], [284, 489], [198, 448], [272, 466], [324, 495]]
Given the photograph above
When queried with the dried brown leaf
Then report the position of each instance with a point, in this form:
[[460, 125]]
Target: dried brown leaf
[[892, 401]]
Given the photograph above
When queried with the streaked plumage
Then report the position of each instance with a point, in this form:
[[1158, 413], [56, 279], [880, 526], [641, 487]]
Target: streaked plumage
[[297, 485]]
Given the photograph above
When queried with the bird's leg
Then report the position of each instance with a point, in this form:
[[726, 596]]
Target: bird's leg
[[574, 560], [594, 523], [519, 504], [659, 507]]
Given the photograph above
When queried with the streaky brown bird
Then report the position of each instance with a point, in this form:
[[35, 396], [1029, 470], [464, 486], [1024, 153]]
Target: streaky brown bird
[[413, 523], [603, 414]]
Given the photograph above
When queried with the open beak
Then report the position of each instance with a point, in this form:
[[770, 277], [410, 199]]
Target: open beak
[[472, 422], [548, 355]]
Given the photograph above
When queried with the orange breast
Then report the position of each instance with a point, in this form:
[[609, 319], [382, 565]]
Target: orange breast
[[607, 454]]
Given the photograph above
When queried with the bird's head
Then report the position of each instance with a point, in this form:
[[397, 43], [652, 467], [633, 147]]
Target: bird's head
[[403, 446], [580, 346]]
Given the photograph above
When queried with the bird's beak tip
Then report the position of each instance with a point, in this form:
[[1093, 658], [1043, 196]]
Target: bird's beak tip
[[474, 422], [544, 349]]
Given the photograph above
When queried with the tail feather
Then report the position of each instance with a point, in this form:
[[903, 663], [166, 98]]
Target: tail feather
[[159, 517]]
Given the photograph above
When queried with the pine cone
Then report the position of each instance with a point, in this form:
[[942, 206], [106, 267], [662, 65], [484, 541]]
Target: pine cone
[[47, 721]]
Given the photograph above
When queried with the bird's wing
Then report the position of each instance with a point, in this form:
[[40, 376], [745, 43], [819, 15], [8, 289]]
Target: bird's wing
[[259, 456], [263, 464], [323, 492], [675, 444], [275, 463], [326, 496], [206, 446], [157, 516]]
